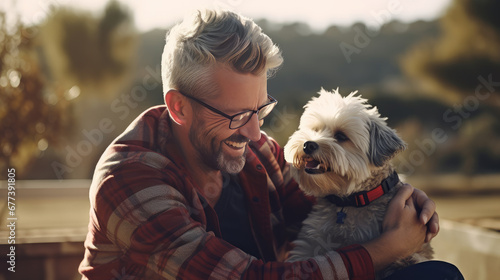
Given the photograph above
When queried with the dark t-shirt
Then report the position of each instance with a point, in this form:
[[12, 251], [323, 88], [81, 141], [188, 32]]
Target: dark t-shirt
[[233, 216]]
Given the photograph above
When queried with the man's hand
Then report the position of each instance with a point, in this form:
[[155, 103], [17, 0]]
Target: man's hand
[[404, 231], [428, 209]]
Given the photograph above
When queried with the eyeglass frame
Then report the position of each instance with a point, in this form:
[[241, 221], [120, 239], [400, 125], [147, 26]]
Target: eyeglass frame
[[215, 110]]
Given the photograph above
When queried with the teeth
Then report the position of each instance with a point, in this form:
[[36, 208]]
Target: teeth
[[236, 144], [313, 166]]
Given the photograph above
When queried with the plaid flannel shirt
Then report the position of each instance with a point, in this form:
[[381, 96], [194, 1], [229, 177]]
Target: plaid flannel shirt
[[147, 220]]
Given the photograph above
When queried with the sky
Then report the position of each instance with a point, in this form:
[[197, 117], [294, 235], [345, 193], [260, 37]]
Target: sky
[[318, 14]]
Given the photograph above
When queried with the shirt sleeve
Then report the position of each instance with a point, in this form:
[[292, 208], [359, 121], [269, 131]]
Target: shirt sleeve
[[358, 262]]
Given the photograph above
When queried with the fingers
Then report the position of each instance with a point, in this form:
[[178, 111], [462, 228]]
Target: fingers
[[426, 204], [428, 213], [401, 222], [434, 223], [401, 198], [432, 227], [396, 206]]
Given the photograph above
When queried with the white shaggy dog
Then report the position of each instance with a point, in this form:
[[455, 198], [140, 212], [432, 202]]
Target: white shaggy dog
[[341, 155]]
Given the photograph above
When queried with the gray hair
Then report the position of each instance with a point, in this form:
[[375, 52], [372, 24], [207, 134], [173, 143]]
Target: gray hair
[[209, 37]]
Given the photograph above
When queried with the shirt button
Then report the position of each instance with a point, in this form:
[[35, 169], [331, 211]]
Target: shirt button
[[259, 167], [255, 199]]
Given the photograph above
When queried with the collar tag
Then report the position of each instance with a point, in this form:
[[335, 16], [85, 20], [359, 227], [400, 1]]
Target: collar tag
[[341, 215]]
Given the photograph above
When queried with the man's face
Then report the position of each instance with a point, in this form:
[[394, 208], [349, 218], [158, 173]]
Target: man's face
[[219, 147]]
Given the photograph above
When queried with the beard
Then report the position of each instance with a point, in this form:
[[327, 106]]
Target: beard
[[211, 151]]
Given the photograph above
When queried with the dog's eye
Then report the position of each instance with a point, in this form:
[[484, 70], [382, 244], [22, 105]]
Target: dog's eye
[[340, 136]]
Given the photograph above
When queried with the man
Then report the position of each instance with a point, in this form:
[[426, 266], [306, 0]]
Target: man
[[194, 189]]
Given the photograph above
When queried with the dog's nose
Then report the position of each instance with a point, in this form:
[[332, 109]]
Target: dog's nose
[[310, 147]]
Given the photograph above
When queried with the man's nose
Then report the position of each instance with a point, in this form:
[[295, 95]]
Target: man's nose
[[251, 129]]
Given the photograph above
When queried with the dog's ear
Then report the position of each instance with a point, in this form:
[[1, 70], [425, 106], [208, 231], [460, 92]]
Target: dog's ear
[[384, 142]]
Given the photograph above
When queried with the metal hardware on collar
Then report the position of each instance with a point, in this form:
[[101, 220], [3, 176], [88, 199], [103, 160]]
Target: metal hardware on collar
[[364, 198], [389, 182]]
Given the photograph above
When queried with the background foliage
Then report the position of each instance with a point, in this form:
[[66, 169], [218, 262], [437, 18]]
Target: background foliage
[[31, 111]]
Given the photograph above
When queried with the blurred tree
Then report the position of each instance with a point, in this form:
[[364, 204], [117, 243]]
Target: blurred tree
[[93, 52], [31, 115], [74, 54], [465, 60]]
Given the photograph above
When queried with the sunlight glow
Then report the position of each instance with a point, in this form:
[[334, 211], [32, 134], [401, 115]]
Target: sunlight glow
[[318, 14]]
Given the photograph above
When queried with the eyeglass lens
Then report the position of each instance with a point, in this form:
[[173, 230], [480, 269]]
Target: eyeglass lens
[[243, 118]]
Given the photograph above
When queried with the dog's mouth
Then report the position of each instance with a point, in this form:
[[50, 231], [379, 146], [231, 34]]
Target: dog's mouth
[[312, 166]]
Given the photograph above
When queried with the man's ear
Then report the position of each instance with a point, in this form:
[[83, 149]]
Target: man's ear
[[177, 106]]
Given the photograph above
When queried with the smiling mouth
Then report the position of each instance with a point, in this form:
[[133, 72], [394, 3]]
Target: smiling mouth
[[235, 145], [312, 166]]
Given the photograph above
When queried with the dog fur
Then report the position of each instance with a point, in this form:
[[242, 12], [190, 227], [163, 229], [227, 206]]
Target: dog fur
[[352, 152]]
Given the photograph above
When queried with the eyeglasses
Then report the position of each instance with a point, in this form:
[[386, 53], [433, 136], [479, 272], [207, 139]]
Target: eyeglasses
[[242, 118]]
